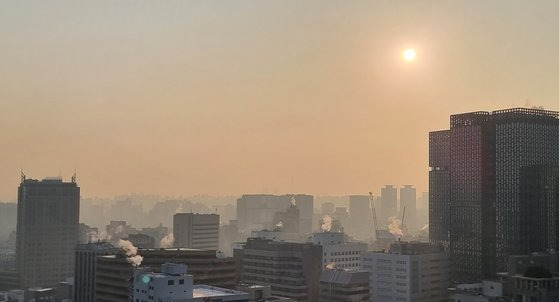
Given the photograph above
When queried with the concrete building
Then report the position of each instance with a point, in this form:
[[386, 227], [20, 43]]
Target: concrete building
[[256, 211], [408, 199], [291, 269], [344, 286], [142, 241], [86, 266], [388, 205], [114, 273], [361, 222], [288, 220], [173, 284], [261, 293], [408, 272], [486, 291], [338, 252], [493, 188], [196, 231], [47, 230]]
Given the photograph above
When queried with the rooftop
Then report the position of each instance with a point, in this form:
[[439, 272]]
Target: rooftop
[[206, 291]]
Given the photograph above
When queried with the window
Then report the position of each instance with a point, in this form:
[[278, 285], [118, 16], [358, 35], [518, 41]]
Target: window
[[181, 281], [171, 282]]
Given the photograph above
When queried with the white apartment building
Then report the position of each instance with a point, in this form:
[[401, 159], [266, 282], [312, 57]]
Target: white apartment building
[[337, 252], [408, 272]]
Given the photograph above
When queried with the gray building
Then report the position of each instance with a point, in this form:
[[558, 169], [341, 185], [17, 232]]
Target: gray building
[[47, 231], [492, 186], [196, 231], [344, 286], [291, 269], [85, 267], [360, 224], [256, 211], [388, 204], [408, 200]]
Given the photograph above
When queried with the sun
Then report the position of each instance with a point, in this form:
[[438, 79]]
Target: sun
[[409, 54]]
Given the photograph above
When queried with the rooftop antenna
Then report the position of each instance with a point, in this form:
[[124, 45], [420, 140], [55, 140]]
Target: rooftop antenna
[[22, 175], [403, 216], [74, 176]]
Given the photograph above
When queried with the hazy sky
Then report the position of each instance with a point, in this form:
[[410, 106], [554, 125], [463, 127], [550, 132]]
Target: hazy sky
[[230, 97]]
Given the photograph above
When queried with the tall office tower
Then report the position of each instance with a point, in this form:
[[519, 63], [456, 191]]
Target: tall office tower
[[408, 272], [114, 272], [480, 182], [342, 285], [47, 230], [360, 224], [338, 252], [292, 269], [388, 204], [256, 211], [86, 264], [408, 199], [196, 231]]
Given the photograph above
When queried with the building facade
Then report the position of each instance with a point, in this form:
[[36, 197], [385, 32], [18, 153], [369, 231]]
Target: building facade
[[480, 181], [388, 205], [86, 266], [47, 231], [291, 269], [344, 286], [408, 272], [114, 273], [338, 252], [196, 231]]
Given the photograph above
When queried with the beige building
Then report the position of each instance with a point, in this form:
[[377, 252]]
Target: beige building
[[196, 231]]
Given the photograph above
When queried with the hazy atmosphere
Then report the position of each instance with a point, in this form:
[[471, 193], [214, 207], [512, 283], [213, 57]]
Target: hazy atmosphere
[[225, 98]]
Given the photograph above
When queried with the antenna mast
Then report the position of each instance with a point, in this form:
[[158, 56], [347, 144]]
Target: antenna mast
[[374, 211]]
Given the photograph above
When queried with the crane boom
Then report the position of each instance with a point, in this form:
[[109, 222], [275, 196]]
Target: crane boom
[[374, 211], [403, 216]]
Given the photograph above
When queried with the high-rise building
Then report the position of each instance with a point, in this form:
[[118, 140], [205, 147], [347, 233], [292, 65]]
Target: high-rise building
[[196, 231], [408, 200], [85, 267], [388, 205], [47, 230], [256, 211], [292, 269], [338, 252], [485, 171], [408, 272], [344, 286], [360, 225], [288, 221]]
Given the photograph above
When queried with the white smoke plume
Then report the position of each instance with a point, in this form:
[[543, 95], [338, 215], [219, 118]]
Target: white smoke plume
[[326, 223], [394, 226], [119, 229], [293, 201], [179, 209], [96, 237], [167, 241], [279, 225], [331, 265], [131, 252]]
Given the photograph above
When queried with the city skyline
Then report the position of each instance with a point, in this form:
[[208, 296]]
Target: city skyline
[[220, 98]]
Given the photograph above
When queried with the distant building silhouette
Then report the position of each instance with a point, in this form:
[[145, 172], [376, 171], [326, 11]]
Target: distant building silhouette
[[408, 200], [493, 187], [47, 231], [196, 231], [388, 204]]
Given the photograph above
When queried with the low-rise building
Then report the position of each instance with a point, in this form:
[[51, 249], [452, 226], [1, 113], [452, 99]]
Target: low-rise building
[[408, 272], [344, 286], [338, 252]]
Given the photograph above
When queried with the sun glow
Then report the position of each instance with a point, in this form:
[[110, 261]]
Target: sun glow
[[409, 54]]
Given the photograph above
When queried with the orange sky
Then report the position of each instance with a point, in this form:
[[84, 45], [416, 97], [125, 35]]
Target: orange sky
[[231, 97]]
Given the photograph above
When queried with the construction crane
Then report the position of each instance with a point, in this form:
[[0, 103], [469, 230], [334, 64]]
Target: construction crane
[[403, 216], [374, 211]]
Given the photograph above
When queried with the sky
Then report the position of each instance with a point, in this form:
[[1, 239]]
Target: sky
[[232, 97]]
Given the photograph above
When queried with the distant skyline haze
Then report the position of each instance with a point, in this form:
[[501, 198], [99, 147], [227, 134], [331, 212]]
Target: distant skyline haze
[[231, 97]]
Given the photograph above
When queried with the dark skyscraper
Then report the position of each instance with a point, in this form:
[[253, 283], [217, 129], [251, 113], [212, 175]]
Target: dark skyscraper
[[47, 230], [86, 265], [488, 181]]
